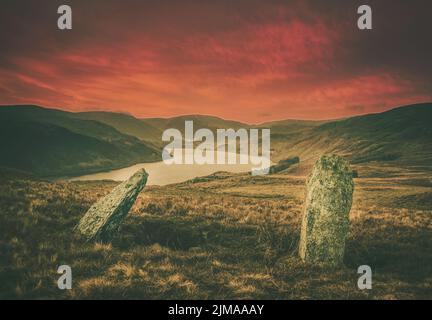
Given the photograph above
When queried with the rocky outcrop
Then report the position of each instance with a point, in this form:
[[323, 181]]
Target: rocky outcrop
[[283, 165]]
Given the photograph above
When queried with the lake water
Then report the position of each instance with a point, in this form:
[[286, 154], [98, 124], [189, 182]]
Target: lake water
[[163, 174]]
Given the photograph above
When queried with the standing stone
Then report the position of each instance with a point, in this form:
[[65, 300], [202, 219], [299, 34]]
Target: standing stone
[[104, 217], [329, 192]]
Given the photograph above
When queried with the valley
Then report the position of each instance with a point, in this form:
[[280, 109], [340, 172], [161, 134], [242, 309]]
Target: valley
[[218, 234], [50, 143]]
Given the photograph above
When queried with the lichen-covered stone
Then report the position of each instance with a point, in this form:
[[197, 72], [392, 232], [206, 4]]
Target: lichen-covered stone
[[104, 217], [329, 192]]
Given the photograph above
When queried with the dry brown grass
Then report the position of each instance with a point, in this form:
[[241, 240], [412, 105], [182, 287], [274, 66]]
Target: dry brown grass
[[227, 236]]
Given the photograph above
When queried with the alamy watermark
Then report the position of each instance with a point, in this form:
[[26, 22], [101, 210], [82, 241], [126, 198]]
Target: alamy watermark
[[64, 21], [365, 280], [64, 282], [253, 147]]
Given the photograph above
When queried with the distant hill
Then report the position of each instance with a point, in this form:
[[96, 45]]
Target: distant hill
[[150, 130], [199, 121], [402, 136], [127, 124], [50, 142]]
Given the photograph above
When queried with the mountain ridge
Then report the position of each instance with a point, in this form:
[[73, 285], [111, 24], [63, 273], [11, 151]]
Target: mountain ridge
[[49, 142], [401, 135]]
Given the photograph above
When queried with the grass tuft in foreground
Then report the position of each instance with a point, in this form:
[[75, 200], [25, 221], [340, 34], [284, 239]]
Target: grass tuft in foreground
[[235, 237]]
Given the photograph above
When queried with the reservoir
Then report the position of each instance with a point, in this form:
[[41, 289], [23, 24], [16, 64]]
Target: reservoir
[[163, 174]]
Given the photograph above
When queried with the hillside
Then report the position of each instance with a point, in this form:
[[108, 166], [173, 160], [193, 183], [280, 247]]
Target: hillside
[[50, 143], [150, 130], [200, 121], [126, 124], [401, 136], [53, 142]]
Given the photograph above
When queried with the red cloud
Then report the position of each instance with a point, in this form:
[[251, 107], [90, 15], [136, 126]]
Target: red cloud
[[262, 66]]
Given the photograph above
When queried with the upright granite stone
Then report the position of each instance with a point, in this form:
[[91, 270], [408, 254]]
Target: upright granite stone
[[329, 192], [104, 217]]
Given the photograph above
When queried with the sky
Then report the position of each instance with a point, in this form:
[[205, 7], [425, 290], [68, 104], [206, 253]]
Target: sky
[[246, 60]]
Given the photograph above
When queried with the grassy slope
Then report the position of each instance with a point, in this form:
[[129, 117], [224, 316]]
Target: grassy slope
[[150, 129], [199, 121], [228, 236], [399, 136], [50, 142], [126, 124], [402, 136]]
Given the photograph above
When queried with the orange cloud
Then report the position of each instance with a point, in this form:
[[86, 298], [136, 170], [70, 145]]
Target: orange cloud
[[245, 61]]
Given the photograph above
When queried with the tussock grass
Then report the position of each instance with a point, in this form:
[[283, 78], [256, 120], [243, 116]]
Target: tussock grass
[[213, 238]]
